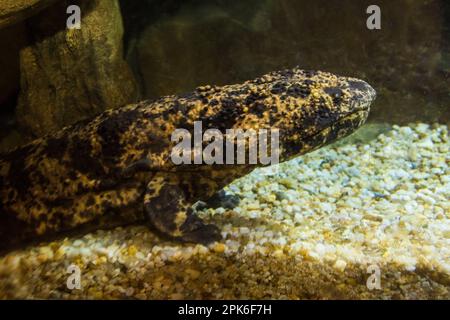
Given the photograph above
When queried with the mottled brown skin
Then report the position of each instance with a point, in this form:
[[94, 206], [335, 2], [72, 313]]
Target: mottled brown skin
[[116, 169]]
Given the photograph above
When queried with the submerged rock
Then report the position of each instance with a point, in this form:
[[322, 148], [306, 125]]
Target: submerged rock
[[68, 75], [13, 11]]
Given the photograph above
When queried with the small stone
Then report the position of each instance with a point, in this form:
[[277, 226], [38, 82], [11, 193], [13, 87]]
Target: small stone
[[193, 274], [129, 292], [278, 253], [219, 248], [340, 265], [412, 154], [132, 250], [253, 206], [78, 243], [176, 296]]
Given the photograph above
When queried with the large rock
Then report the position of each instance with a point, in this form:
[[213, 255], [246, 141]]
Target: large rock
[[68, 75], [12, 11]]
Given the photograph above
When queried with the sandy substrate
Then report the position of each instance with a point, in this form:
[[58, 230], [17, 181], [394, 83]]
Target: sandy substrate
[[371, 210]]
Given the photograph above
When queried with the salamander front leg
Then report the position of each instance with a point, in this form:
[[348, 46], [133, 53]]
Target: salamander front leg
[[169, 211]]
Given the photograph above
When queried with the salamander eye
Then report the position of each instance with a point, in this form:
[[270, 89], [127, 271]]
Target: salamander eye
[[335, 93]]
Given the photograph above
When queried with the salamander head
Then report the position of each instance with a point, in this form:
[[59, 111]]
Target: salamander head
[[321, 108], [310, 108]]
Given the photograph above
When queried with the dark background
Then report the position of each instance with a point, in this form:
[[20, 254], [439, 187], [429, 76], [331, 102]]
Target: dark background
[[176, 46]]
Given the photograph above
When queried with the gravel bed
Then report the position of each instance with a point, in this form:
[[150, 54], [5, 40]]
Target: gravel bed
[[314, 227]]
